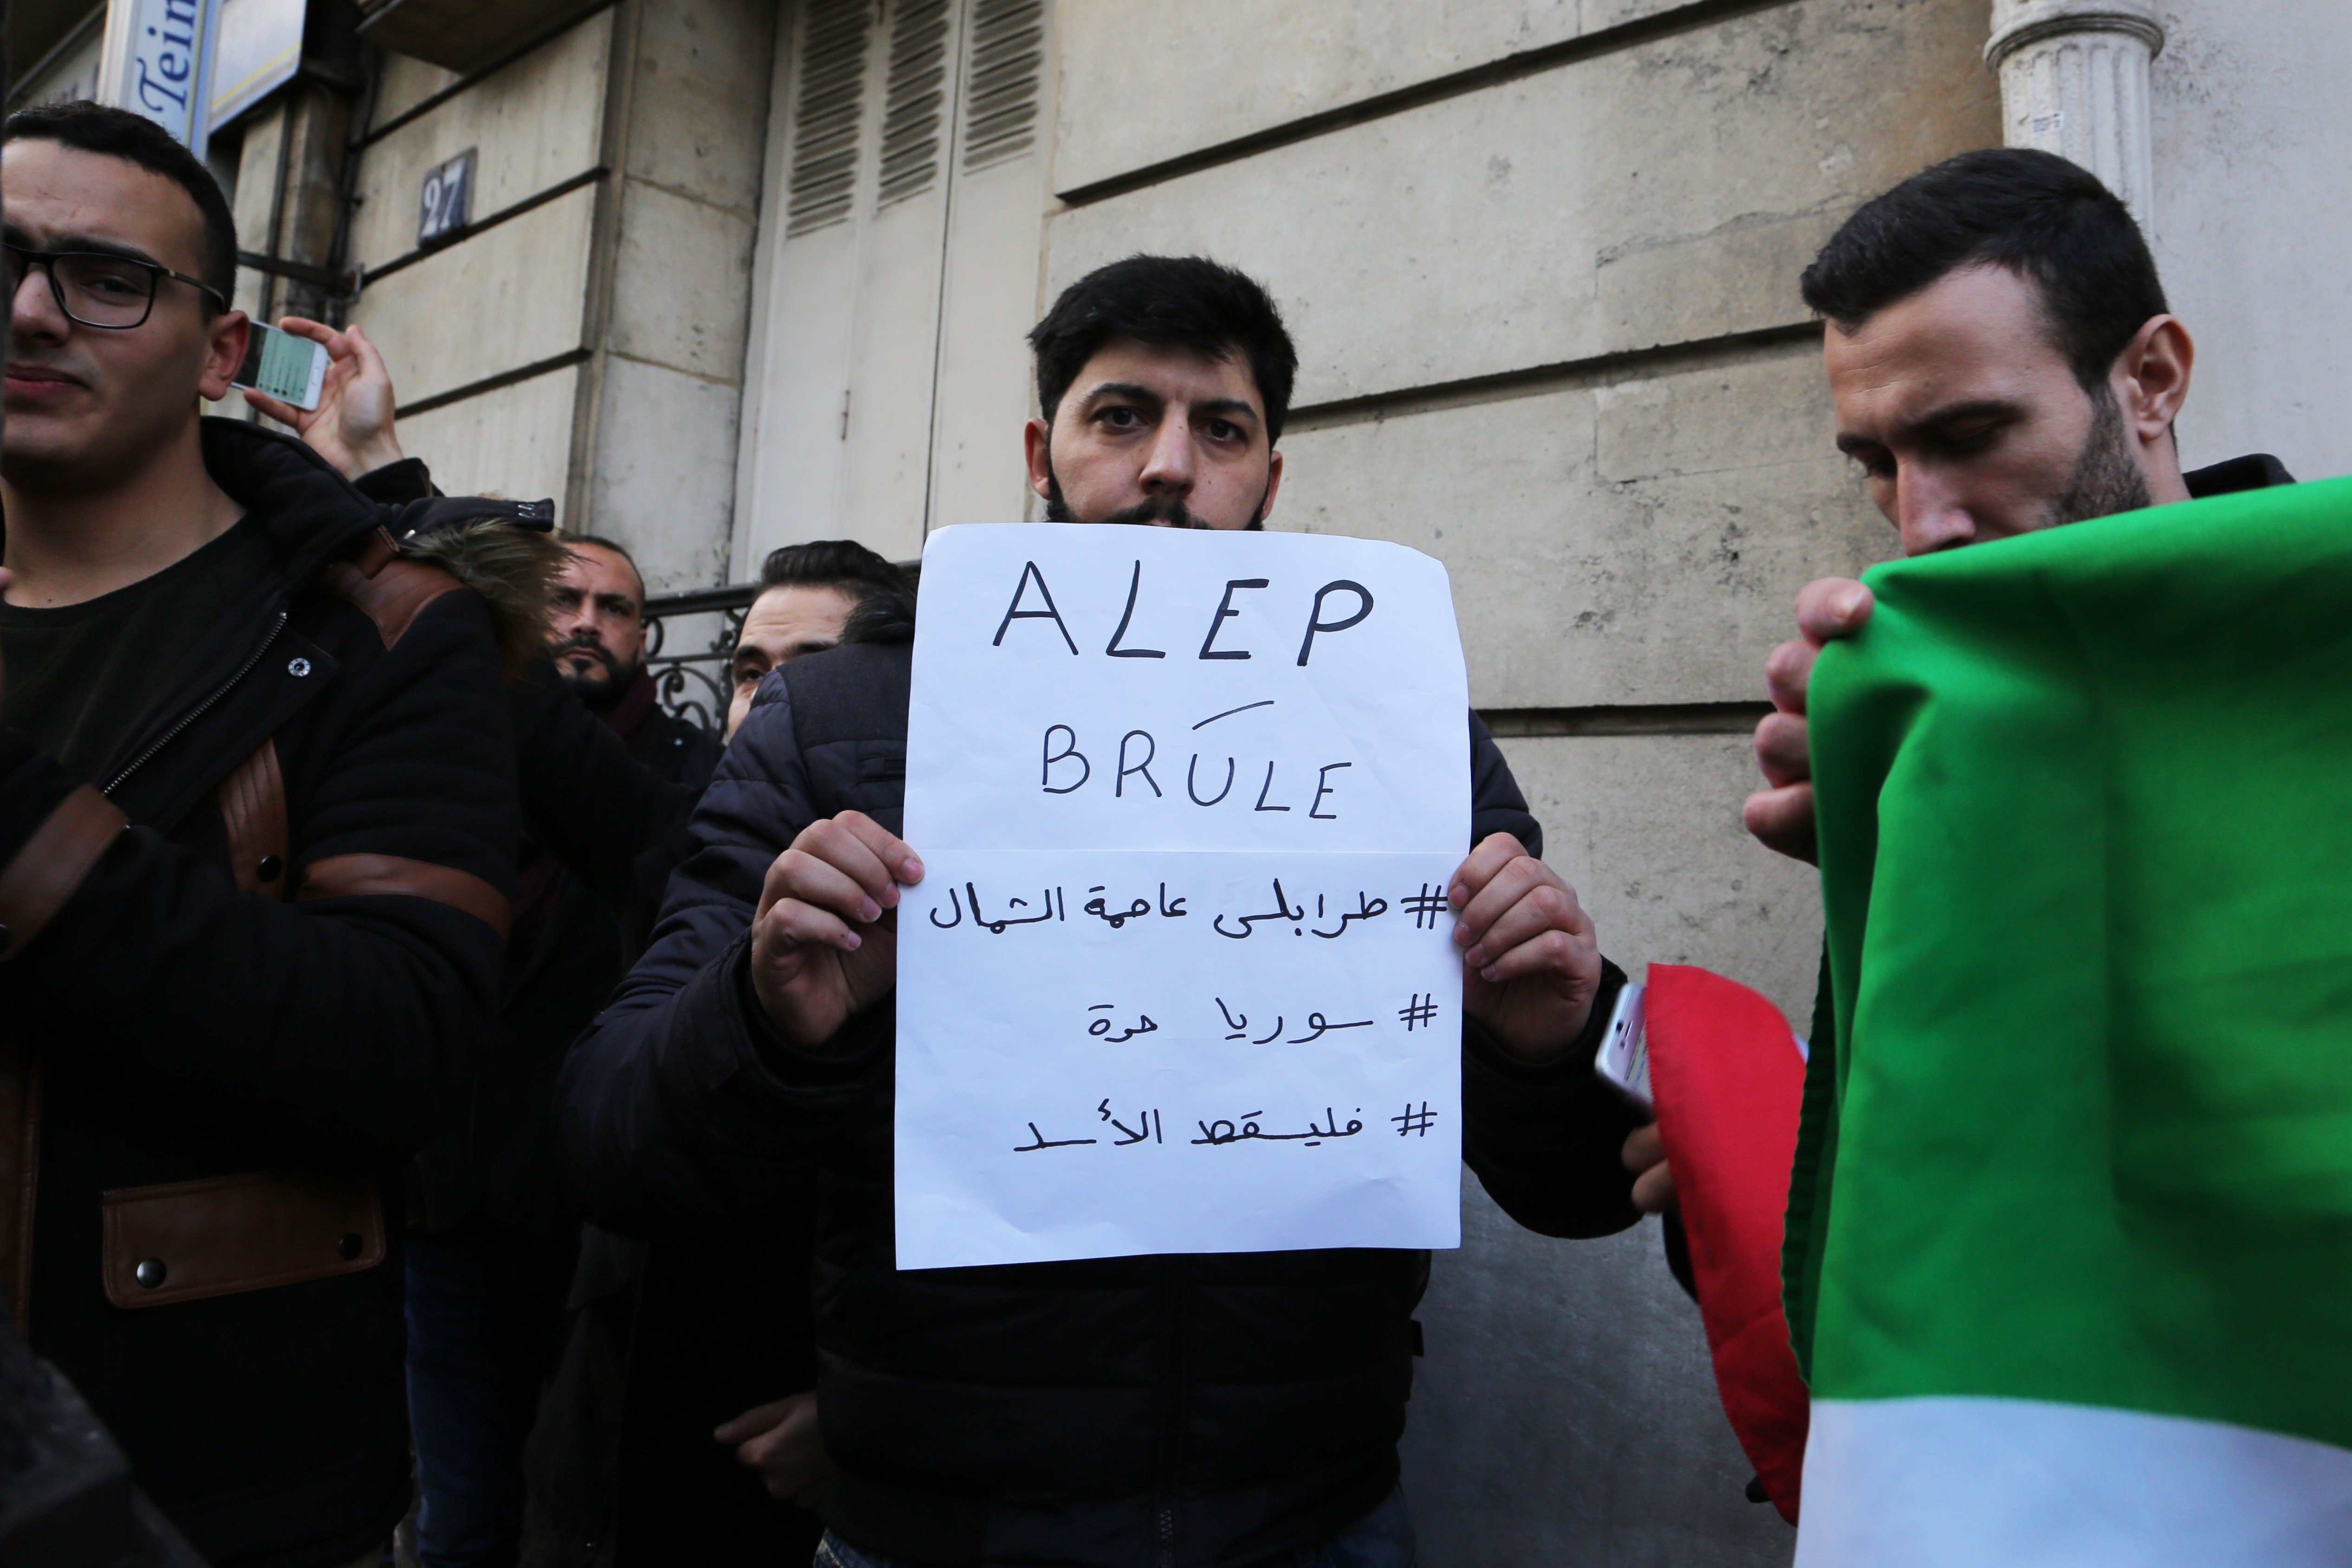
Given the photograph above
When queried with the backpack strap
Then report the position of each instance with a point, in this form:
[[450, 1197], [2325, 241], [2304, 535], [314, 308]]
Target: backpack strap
[[253, 809], [389, 590]]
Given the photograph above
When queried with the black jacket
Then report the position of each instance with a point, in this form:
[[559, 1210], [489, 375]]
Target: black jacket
[[1174, 1411], [604, 804], [279, 1033]]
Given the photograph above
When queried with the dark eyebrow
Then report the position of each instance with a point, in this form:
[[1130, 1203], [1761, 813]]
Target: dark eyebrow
[[616, 602], [81, 242], [1226, 407], [1126, 389]]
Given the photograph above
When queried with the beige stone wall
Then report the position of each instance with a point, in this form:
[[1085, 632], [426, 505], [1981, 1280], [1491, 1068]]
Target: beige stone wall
[[509, 298]]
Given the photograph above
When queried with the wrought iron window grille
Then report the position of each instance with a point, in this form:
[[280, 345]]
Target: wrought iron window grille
[[692, 684]]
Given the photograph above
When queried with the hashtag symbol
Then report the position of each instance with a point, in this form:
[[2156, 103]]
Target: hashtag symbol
[[1413, 1122], [1425, 907], [1421, 1009]]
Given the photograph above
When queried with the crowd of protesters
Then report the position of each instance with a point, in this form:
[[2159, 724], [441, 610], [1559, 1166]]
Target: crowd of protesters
[[434, 1076]]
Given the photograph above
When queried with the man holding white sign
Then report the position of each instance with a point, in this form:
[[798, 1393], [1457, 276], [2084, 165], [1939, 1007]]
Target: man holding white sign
[[1209, 794]]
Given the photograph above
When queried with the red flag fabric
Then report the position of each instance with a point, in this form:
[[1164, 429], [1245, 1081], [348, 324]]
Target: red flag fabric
[[1727, 1082]]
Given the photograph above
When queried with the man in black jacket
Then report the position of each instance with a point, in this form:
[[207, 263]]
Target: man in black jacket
[[1185, 1411], [256, 835]]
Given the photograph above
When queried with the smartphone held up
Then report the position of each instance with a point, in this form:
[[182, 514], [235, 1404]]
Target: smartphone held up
[[288, 368]]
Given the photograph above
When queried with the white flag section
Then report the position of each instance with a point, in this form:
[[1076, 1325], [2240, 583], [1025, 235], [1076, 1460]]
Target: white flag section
[[1179, 976]]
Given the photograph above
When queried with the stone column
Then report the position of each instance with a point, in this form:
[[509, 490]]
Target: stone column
[[2074, 82]]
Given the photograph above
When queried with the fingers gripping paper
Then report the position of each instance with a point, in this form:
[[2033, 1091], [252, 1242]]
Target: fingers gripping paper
[[1180, 975]]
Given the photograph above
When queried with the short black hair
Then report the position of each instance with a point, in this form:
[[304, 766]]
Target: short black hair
[[599, 541], [1186, 301], [2047, 219], [842, 565], [119, 133]]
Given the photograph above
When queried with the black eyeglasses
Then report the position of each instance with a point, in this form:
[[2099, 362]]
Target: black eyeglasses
[[95, 289]]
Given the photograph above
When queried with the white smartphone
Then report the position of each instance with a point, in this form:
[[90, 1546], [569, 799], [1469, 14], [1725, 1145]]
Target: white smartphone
[[283, 365], [1624, 1057]]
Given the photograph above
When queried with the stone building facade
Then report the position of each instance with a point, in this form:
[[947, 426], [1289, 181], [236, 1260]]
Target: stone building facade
[[742, 272]]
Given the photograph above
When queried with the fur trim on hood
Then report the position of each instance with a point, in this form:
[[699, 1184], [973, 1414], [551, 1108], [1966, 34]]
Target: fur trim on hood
[[513, 568]]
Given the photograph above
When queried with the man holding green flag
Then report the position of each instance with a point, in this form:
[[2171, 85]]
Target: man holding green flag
[[2069, 1243]]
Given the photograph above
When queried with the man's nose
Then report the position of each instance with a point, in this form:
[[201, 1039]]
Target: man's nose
[[1929, 515], [1168, 465], [34, 311]]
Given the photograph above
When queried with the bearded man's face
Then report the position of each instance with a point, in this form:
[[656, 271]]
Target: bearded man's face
[[1154, 434], [596, 631], [1968, 421]]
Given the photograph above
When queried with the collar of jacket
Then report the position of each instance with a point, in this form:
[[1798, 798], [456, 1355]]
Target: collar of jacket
[[2254, 471], [627, 711], [310, 515]]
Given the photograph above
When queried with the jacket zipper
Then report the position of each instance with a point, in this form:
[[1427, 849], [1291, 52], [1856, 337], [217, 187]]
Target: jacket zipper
[[1172, 1439], [201, 709]]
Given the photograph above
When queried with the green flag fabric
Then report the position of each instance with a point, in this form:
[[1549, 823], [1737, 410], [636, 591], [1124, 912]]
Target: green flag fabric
[[2069, 1247]]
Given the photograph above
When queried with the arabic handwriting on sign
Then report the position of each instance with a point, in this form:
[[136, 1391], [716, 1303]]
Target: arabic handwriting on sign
[[1147, 1125], [1315, 1021], [1170, 909], [1281, 912], [1052, 910], [1269, 1039], [1365, 910], [1222, 1131], [1101, 1027], [1045, 1143], [1240, 1026], [1115, 919]]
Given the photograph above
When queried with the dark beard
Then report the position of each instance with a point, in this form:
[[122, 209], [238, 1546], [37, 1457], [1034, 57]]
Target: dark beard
[[598, 688], [1156, 511], [2105, 480]]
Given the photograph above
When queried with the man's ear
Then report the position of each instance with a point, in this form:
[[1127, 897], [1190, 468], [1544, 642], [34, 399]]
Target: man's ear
[[2152, 376], [1273, 484], [224, 352], [1036, 444]]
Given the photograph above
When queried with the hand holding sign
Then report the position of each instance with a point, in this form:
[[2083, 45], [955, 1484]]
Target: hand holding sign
[[820, 948], [1533, 962]]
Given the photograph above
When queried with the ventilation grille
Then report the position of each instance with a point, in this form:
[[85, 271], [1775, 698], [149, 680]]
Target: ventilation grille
[[917, 98], [829, 102], [1008, 53]]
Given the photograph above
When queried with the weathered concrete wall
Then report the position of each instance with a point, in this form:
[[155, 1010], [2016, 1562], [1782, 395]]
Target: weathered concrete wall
[[590, 347], [490, 307], [654, 448], [1544, 290], [2251, 228]]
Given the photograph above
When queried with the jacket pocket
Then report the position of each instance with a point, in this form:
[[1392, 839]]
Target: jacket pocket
[[184, 1241]]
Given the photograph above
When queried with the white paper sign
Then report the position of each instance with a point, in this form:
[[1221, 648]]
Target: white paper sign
[[1179, 976]]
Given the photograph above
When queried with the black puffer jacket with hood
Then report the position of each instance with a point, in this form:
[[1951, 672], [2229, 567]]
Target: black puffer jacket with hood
[[1176, 1412]]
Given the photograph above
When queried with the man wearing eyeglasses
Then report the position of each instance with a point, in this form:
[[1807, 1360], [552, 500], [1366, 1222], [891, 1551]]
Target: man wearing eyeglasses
[[256, 839]]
